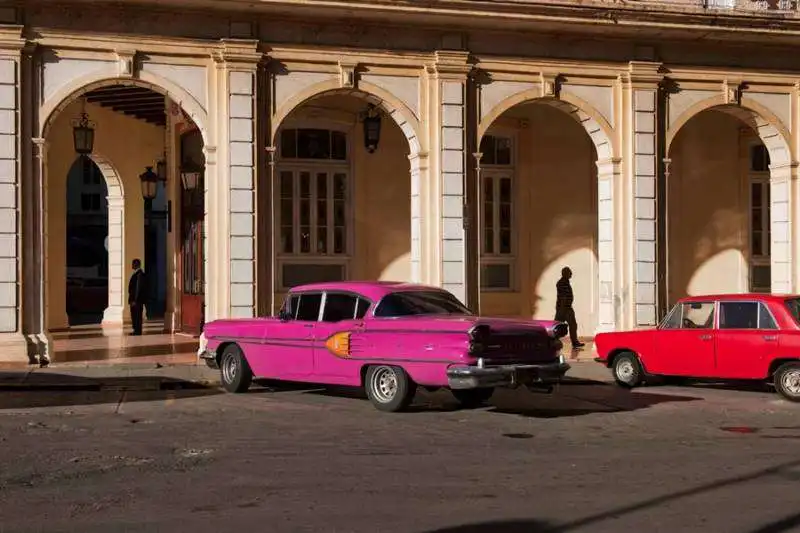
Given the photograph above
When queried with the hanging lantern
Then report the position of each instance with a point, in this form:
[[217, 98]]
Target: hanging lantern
[[372, 129], [83, 135], [149, 181], [161, 169]]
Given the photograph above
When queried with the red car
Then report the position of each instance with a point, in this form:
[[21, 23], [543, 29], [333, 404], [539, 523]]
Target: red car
[[724, 337]]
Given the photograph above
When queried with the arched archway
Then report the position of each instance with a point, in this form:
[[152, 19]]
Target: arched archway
[[728, 195], [566, 171], [322, 159], [134, 121]]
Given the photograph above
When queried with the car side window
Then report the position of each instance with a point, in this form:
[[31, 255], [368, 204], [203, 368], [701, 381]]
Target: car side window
[[308, 306], [765, 320], [738, 315], [698, 315], [339, 307], [673, 320], [361, 308]]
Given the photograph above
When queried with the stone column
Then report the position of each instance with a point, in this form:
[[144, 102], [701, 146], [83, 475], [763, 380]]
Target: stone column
[[641, 86], [452, 130], [239, 64], [608, 176], [113, 316], [13, 346], [419, 164], [781, 180]]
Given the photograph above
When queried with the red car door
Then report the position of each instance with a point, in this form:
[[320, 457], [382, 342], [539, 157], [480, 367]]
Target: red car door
[[684, 346], [746, 340]]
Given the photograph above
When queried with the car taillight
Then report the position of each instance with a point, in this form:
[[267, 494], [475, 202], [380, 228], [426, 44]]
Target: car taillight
[[478, 339]]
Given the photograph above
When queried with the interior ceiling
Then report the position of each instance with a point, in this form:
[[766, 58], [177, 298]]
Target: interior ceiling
[[136, 102]]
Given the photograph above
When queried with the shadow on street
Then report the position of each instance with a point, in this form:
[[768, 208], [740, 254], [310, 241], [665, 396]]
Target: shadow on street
[[21, 391], [573, 398]]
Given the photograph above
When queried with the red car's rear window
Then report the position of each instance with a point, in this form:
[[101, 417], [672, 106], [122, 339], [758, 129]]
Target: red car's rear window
[[793, 305]]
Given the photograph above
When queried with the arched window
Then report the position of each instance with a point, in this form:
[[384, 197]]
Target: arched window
[[313, 218]]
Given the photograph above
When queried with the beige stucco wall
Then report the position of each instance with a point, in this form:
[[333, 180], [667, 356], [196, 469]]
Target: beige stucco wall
[[708, 206], [556, 217], [129, 145]]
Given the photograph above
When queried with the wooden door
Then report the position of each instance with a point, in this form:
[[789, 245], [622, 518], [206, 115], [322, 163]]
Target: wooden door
[[192, 263]]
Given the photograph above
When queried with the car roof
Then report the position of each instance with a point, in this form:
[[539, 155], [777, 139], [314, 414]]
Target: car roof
[[374, 290], [740, 296]]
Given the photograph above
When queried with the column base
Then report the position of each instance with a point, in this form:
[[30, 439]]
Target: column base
[[172, 321], [18, 348]]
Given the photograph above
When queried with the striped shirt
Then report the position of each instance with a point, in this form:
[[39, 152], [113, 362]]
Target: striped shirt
[[563, 293]]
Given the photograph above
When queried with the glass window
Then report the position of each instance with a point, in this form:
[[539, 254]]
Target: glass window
[[313, 143], [308, 306], [496, 150], [497, 244], [765, 320], [759, 158], [793, 305], [362, 307], [420, 303], [697, 315], [673, 320], [738, 315], [496, 276], [339, 307], [290, 305]]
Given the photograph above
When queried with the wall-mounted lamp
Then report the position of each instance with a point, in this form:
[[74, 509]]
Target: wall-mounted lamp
[[372, 128]]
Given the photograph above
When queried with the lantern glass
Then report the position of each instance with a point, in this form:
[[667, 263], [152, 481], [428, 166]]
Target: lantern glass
[[190, 180], [83, 137], [149, 181]]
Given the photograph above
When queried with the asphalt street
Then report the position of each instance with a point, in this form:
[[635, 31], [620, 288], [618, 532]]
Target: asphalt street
[[147, 453]]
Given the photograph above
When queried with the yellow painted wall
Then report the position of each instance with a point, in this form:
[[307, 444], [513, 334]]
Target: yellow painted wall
[[708, 206], [556, 216], [129, 145]]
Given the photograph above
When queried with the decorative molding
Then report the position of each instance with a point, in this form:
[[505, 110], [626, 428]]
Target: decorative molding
[[732, 92], [451, 64], [549, 84], [126, 63], [12, 40], [646, 72], [347, 74], [211, 155]]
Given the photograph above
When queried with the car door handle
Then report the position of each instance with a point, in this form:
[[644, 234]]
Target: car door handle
[[705, 337], [308, 325], [770, 337]]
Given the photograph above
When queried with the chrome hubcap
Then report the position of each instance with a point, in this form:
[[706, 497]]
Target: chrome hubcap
[[791, 382], [384, 384], [229, 369], [625, 371]]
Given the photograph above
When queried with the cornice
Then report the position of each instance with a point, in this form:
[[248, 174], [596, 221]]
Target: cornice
[[144, 44], [11, 39], [238, 52], [451, 64]]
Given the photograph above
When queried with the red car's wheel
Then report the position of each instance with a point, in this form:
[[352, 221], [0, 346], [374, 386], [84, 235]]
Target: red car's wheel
[[787, 381], [627, 370]]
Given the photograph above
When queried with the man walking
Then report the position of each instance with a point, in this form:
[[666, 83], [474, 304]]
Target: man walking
[[137, 296], [564, 310]]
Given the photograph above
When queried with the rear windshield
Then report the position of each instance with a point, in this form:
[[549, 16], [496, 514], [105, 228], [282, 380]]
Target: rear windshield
[[420, 303], [793, 305]]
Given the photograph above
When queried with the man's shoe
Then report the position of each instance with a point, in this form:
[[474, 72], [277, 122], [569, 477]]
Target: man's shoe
[[578, 345]]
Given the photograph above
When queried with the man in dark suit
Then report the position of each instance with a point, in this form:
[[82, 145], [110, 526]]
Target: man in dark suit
[[564, 310], [137, 296]]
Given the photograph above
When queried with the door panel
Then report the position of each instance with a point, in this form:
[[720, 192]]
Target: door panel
[[192, 260], [686, 345], [746, 340]]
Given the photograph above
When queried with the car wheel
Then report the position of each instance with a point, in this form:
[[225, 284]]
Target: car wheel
[[627, 370], [389, 388], [473, 397], [234, 370], [787, 381]]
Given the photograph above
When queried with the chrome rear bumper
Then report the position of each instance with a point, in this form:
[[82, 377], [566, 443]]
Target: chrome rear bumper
[[475, 377]]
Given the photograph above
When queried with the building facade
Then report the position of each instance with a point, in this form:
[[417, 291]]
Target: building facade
[[649, 146]]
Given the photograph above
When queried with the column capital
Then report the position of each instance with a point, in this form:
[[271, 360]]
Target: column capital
[[451, 64], [643, 74], [12, 41], [238, 54]]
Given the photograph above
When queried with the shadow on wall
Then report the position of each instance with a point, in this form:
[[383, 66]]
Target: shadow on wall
[[557, 167], [708, 204]]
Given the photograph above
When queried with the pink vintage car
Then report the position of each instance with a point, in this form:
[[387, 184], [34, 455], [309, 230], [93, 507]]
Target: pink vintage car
[[388, 338]]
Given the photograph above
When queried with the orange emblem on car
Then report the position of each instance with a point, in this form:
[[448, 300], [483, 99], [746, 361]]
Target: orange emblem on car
[[339, 344]]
